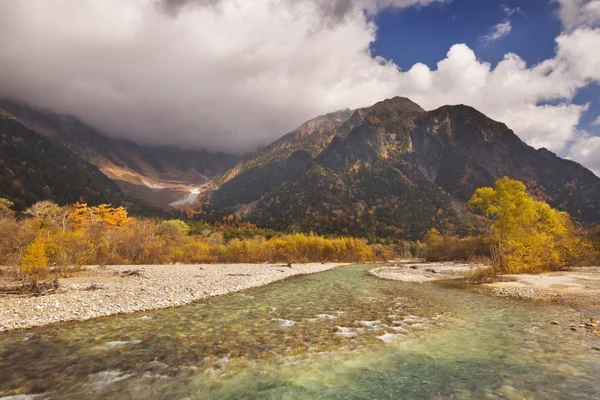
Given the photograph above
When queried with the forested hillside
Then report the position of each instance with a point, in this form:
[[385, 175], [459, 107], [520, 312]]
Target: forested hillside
[[33, 168], [395, 170]]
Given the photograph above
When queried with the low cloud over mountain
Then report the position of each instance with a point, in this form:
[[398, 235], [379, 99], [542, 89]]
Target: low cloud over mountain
[[232, 74]]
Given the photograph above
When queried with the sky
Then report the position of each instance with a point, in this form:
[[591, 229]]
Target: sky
[[231, 75]]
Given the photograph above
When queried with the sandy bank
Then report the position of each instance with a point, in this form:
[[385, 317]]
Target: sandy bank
[[110, 290], [578, 286], [410, 271]]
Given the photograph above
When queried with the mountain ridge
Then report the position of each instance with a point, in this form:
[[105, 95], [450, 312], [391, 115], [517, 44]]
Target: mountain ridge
[[398, 170]]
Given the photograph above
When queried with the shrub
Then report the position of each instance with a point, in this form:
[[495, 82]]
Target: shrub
[[449, 248], [35, 261], [6, 210], [69, 248]]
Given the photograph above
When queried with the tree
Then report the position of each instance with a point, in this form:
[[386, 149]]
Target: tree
[[526, 235], [6, 208], [46, 212], [34, 260], [80, 215], [108, 215], [174, 231]]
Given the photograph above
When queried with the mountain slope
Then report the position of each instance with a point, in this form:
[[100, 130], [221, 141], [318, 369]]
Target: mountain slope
[[397, 171], [461, 149], [311, 137], [33, 168], [158, 175]]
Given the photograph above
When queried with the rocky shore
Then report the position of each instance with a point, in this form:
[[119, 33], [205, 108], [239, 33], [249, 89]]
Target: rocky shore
[[102, 291], [578, 286], [414, 271]]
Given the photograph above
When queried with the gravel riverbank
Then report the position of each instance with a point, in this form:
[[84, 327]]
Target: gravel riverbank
[[577, 286], [102, 291], [410, 271]]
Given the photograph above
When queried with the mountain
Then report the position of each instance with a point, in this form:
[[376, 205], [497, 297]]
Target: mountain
[[394, 170], [33, 168], [312, 137], [158, 175]]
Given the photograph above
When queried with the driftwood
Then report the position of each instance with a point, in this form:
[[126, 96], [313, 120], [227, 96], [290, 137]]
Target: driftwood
[[92, 287], [288, 265], [132, 272], [33, 288]]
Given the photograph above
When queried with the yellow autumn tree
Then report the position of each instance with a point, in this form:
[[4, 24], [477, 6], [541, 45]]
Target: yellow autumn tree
[[526, 235], [79, 215], [34, 260], [108, 215]]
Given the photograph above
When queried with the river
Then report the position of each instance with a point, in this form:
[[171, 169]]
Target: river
[[190, 198], [340, 334]]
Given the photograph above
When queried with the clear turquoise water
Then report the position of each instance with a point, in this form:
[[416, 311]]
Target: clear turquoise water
[[341, 334]]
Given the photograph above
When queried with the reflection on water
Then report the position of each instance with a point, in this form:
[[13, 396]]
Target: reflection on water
[[338, 334]]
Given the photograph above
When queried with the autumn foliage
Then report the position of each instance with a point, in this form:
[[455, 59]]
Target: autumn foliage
[[62, 238], [526, 235], [451, 248]]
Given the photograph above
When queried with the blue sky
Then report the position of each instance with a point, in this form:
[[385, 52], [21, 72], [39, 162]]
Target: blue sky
[[424, 34]]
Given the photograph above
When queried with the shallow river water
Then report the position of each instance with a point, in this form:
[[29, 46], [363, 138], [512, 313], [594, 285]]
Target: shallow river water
[[341, 334]]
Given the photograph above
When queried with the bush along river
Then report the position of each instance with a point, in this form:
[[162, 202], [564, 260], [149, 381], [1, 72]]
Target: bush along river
[[340, 334]]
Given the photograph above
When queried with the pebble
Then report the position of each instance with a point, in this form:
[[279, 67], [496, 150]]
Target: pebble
[[162, 286]]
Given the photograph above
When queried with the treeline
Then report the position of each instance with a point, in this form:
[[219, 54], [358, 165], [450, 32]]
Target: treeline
[[524, 235], [48, 237]]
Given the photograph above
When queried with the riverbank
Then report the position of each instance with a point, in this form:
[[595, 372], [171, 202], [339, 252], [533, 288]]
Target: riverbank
[[420, 272], [578, 286], [103, 291]]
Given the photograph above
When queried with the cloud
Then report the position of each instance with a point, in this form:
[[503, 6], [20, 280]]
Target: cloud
[[234, 74], [511, 92], [510, 11], [226, 75], [597, 121], [502, 29], [335, 10], [585, 151], [575, 14], [498, 32]]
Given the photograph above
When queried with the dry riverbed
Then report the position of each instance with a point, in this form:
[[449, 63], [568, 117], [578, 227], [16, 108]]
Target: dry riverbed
[[101, 291], [578, 287], [411, 271]]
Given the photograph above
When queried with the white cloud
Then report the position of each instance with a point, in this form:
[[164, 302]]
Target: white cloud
[[235, 73], [597, 121], [510, 11], [585, 151], [498, 32], [226, 77], [575, 14], [502, 29]]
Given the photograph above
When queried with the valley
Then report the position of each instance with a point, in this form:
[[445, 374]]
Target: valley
[[288, 200]]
